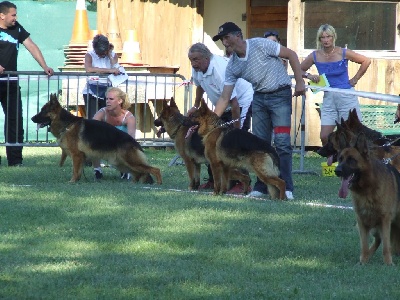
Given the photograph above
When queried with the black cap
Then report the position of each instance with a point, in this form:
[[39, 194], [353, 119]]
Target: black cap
[[224, 29]]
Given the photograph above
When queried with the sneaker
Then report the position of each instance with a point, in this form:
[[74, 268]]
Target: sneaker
[[207, 186], [98, 174], [256, 194], [238, 189], [289, 195]]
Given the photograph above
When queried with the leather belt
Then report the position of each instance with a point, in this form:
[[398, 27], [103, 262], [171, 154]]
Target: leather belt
[[282, 88]]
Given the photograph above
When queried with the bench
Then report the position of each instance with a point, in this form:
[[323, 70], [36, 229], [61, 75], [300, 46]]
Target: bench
[[380, 118]]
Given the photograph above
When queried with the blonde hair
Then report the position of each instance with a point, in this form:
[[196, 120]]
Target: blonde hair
[[329, 30], [121, 95]]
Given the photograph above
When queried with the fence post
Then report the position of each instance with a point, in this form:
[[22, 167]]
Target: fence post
[[302, 140]]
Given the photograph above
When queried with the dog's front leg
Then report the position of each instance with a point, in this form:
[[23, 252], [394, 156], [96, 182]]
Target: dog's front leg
[[78, 160], [191, 170], [387, 252], [377, 241], [63, 157], [216, 169], [225, 178], [363, 232]]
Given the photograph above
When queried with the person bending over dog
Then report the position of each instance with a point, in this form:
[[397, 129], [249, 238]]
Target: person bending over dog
[[117, 114], [208, 74]]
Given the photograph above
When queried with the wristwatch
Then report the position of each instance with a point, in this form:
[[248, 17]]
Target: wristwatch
[[306, 75]]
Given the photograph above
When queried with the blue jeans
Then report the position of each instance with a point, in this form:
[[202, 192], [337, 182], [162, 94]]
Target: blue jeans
[[272, 114]]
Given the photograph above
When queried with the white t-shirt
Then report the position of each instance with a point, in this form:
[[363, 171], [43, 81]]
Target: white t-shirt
[[99, 62], [212, 82]]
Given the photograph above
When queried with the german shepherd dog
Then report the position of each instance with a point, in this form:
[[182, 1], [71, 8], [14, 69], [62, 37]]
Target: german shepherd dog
[[190, 149], [381, 148], [83, 139], [375, 193], [228, 149]]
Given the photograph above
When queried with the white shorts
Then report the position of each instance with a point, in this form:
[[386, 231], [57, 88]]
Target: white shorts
[[336, 106]]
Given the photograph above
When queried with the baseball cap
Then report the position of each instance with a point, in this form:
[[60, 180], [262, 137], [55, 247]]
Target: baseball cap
[[226, 28]]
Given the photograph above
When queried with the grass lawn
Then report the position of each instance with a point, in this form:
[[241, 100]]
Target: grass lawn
[[118, 240]]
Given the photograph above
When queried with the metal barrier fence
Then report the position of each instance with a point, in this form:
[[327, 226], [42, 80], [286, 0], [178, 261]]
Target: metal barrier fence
[[144, 90], [367, 95]]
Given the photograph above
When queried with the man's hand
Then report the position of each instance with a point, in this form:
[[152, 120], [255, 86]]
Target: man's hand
[[300, 88], [49, 71], [192, 110]]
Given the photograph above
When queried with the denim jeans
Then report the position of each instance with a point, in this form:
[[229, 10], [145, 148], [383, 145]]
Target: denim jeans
[[272, 114]]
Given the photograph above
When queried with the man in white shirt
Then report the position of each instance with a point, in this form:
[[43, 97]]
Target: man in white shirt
[[208, 74]]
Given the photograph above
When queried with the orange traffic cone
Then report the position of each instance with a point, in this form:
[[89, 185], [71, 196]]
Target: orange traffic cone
[[131, 50], [80, 31], [113, 34], [93, 33]]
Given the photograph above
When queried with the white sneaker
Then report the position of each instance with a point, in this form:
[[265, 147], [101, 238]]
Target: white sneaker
[[256, 194], [289, 195]]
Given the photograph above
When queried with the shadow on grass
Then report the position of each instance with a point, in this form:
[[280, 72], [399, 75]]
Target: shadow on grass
[[118, 240]]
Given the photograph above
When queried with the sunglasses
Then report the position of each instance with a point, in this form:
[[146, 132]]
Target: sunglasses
[[271, 33]]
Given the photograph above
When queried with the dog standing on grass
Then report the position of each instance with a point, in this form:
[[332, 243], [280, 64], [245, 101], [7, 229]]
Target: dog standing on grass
[[228, 149], [380, 147], [190, 149], [83, 139], [375, 192]]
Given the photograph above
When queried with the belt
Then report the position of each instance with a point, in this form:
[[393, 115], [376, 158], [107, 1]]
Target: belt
[[282, 88]]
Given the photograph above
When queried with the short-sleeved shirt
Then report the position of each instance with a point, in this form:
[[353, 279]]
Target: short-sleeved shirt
[[10, 39], [212, 82], [261, 66]]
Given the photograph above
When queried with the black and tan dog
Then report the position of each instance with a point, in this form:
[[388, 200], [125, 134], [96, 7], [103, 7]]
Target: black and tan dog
[[228, 149], [190, 149], [83, 139], [375, 193], [380, 147]]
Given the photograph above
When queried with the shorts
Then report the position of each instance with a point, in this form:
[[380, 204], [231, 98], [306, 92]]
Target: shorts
[[336, 106]]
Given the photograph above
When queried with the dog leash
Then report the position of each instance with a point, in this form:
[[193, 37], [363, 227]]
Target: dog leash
[[391, 142], [388, 160], [231, 122]]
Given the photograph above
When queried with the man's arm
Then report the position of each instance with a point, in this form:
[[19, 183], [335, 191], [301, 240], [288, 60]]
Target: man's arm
[[223, 101], [197, 99], [37, 55], [300, 88], [235, 110]]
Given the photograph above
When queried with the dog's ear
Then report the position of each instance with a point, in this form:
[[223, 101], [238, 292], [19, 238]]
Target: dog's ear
[[172, 103], [340, 127], [343, 141], [361, 144], [164, 104], [353, 122], [53, 98], [203, 104]]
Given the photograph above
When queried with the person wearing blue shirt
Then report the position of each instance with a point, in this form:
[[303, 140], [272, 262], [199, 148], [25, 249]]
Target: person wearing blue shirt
[[332, 61]]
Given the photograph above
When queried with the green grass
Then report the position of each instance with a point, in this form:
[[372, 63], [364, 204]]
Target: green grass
[[118, 240]]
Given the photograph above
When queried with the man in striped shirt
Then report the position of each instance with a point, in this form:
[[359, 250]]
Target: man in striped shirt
[[257, 60]]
